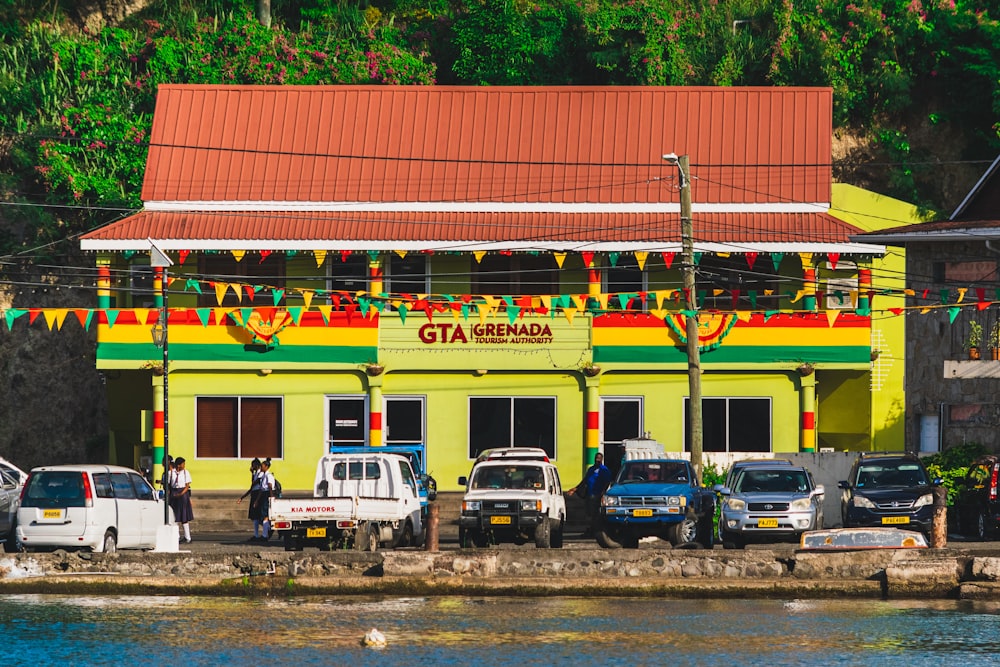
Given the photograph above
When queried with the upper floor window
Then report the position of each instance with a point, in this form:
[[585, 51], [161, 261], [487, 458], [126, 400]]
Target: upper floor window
[[252, 271], [515, 275], [408, 275], [348, 275], [625, 277]]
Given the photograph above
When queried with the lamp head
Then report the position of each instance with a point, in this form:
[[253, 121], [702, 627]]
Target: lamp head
[[671, 158]]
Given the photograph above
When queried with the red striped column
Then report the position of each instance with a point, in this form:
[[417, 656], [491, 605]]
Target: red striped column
[[592, 437], [158, 395], [807, 399], [375, 410], [809, 288], [864, 287], [103, 284]]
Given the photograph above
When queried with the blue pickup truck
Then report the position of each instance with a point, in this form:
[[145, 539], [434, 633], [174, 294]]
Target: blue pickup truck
[[656, 498]]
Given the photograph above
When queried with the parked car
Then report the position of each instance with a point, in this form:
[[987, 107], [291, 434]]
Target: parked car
[[97, 507], [770, 502], [740, 466], [888, 490], [10, 468], [10, 496], [656, 498], [977, 505], [512, 495]]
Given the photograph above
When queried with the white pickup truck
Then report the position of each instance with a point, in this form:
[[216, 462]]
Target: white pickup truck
[[360, 500]]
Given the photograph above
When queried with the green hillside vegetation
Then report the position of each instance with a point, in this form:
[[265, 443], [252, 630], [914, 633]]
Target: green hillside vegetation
[[916, 82]]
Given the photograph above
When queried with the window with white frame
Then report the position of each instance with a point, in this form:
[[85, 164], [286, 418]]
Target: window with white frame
[[404, 420], [512, 421], [238, 427], [732, 424], [621, 419]]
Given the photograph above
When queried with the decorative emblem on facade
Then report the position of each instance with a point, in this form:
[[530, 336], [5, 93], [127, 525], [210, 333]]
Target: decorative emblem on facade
[[264, 324], [712, 328]]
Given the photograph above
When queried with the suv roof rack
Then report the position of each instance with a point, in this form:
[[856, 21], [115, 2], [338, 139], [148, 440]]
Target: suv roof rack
[[513, 454]]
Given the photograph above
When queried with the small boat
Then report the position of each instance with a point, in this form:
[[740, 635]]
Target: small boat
[[862, 538]]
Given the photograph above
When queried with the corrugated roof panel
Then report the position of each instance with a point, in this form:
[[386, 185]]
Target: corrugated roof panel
[[541, 228], [365, 143]]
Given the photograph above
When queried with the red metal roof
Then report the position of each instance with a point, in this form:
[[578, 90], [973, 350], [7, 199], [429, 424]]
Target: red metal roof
[[452, 230], [551, 164]]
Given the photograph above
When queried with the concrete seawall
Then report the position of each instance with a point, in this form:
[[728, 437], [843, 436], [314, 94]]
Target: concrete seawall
[[903, 573]]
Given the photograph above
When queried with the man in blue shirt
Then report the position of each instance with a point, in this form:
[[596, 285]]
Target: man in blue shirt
[[595, 482]]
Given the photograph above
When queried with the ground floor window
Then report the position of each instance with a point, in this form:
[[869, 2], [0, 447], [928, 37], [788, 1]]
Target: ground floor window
[[404, 420], [733, 424], [347, 421], [505, 421], [621, 419], [238, 427]]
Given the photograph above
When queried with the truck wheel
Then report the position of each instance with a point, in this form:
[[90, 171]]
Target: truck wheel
[[606, 540], [366, 537], [557, 533], [979, 525], [543, 535], [405, 538], [682, 532]]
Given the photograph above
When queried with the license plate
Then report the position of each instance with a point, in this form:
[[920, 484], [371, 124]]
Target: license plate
[[642, 512], [767, 523], [51, 514], [315, 532], [895, 520], [505, 520]]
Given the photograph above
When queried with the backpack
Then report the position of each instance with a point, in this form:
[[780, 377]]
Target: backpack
[[276, 491]]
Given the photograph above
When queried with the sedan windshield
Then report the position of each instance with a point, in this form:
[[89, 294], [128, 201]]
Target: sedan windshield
[[772, 481]]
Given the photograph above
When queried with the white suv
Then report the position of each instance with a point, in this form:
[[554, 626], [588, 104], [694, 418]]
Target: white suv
[[98, 507], [512, 499]]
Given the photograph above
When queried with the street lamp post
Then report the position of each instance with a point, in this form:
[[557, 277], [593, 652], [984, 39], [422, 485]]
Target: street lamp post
[[159, 260], [695, 425]]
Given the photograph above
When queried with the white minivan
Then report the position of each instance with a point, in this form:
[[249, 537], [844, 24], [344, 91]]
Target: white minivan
[[98, 507]]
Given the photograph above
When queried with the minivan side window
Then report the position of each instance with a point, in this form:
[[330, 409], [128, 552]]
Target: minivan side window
[[102, 485], [143, 490], [122, 485]]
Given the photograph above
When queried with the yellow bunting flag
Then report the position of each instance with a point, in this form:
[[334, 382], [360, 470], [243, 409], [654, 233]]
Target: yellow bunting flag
[[220, 292], [831, 316], [806, 258], [142, 315], [743, 315], [603, 300], [569, 313], [307, 297], [561, 257], [659, 313], [239, 254], [640, 257], [547, 301], [401, 253], [580, 301], [220, 314], [961, 294], [479, 254], [484, 311], [320, 257], [54, 317], [909, 292], [325, 312]]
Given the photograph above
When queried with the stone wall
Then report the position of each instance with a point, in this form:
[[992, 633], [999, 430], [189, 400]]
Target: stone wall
[[897, 573]]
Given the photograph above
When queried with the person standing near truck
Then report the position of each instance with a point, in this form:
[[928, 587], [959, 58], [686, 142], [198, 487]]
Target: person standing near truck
[[591, 489], [264, 499], [253, 492]]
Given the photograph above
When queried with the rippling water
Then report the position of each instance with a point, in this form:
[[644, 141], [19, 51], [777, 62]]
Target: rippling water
[[187, 631]]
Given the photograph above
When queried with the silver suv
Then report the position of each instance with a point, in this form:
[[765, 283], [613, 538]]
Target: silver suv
[[770, 502]]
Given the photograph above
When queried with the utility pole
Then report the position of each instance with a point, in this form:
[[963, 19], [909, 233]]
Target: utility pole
[[695, 425]]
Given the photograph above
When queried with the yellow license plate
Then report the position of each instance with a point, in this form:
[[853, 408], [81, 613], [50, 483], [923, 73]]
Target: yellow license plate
[[767, 523], [315, 532], [51, 514], [895, 520], [505, 520], [642, 512]]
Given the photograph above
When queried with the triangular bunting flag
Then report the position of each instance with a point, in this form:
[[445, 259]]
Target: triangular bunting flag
[[640, 258], [668, 258], [238, 255], [320, 257], [560, 257], [831, 316], [84, 316]]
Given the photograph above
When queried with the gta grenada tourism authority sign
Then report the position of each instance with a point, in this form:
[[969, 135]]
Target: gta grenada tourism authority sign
[[492, 333]]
